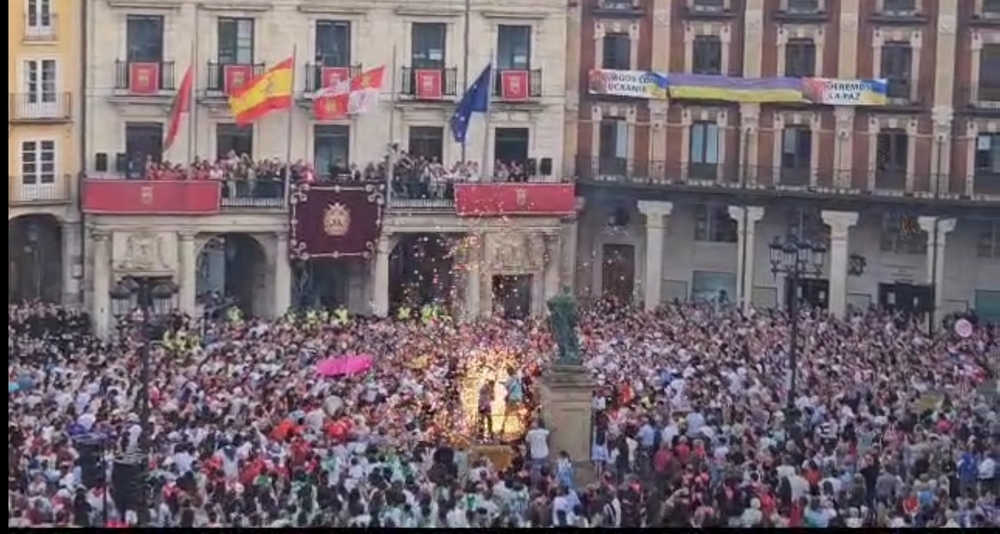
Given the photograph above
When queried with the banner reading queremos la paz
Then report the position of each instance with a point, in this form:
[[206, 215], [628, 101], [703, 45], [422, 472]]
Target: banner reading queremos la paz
[[336, 221], [628, 83]]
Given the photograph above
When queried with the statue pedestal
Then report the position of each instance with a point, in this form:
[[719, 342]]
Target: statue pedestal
[[566, 392]]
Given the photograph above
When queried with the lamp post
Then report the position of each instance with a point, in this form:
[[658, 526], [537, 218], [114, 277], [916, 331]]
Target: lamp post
[[795, 258], [153, 304]]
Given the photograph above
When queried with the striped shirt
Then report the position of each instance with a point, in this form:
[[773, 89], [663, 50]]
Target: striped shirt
[[613, 514]]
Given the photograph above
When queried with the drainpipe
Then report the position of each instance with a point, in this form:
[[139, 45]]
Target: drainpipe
[[934, 252], [84, 72]]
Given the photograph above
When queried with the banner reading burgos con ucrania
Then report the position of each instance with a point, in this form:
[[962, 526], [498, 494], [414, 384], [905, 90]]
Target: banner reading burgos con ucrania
[[628, 83]]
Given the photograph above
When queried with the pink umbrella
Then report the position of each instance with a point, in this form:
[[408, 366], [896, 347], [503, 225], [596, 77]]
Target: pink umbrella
[[344, 365]]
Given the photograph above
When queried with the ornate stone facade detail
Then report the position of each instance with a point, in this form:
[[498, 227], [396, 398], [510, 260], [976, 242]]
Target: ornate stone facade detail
[[145, 253], [516, 252]]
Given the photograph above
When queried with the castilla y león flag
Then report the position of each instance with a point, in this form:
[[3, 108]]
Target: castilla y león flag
[[354, 97]]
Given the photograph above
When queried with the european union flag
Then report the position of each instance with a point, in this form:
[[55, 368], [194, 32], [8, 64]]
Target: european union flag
[[476, 100]]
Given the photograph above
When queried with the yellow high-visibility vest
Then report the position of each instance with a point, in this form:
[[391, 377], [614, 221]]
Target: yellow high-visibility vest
[[342, 316], [403, 314]]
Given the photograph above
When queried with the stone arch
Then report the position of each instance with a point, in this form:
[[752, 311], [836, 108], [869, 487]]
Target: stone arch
[[232, 269], [34, 252], [421, 270]]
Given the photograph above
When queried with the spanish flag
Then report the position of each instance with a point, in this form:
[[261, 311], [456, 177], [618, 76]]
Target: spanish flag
[[271, 91]]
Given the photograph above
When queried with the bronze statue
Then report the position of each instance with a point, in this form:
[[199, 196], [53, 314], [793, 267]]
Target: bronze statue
[[563, 320]]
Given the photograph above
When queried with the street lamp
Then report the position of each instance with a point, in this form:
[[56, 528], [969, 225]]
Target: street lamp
[[795, 258], [153, 305]]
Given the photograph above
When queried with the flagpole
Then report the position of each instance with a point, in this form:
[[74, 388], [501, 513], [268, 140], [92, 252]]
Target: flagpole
[[193, 111], [486, 119], [465, 57], [390, 157], [291, 124]]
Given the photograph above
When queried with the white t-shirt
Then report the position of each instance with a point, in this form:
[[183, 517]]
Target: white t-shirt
[[538, 443]]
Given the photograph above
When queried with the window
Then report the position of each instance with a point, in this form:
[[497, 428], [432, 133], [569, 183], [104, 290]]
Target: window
[[428, 45], [897, 66], [514, 47], [143, 140], [796, 155], [144, 38], [989, 240], [236, 41], [332, 149], [899, 7], [39, 18], [40, 81], [704, 159], [989, 73], [333, 43], [233, 138], [510, 145], [616, 51], [713, 223], [706, 55], [988, 154], [427, 142], [991, 9], [808, 225], [891, 156], [800, 58], [902, 234], [613, 148], [38, 163]]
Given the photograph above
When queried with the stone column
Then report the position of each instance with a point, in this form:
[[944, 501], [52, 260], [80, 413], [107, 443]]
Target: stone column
[[473, 276], [380, 297], [746, 231], [656, 214], [840, 223], [935, 253], [70, 264], [567, 255], [189, 274], [282, 275], [552, 267], [102, 284]]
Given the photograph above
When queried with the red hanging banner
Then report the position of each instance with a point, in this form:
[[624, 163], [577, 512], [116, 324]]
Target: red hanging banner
[[144, 78], [514, 85], [331, 76], [237, 77], [428, 84]]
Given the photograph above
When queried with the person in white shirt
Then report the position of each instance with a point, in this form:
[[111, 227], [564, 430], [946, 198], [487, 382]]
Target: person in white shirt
[[538, 447]]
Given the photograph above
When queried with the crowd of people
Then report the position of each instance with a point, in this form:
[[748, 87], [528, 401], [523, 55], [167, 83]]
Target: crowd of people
[[890, 426], [414, 177]]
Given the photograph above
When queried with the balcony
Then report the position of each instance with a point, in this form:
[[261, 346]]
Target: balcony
[[224, 78], [801, 12], [116, 196], [988, 14], [30, 191], [40, 107], [41, 29], [986, 183], [429, 85], [982, 99], [261, 194], [144, 82], [617, 8], [416, 196], [708, 10], [897, 12], [513, 85], [319, 76]]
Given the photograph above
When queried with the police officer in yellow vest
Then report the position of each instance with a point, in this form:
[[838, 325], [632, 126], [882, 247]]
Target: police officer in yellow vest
[[403, 313], [311, 317], [235, 315], [341, 317]]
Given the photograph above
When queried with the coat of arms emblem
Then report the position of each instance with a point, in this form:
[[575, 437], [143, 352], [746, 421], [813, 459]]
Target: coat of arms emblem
[[521, 197], [146, 195], [336, 220]]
